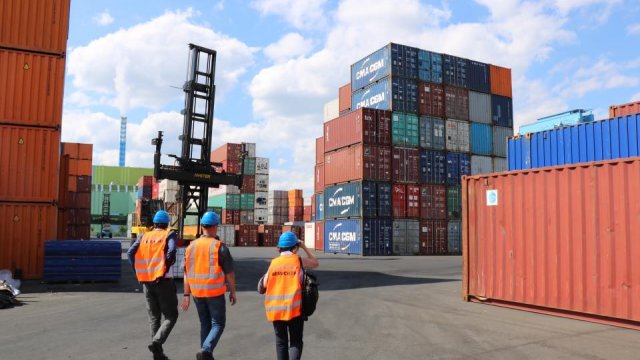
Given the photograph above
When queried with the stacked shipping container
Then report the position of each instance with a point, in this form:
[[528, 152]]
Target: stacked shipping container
[[74, 191], [33, 41], [447, 118]]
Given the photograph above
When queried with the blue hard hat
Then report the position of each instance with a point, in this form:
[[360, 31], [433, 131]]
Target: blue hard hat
[[161, 217], [287, 240], [210, 219]]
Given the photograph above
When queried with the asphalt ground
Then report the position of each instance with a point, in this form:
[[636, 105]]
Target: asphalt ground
[[369, 308]]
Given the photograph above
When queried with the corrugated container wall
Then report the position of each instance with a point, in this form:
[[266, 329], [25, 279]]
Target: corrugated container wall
[[569, 257], [406, 165], [331, 110], [479, 107], [392, 59], [320, 150], [481, 139], [394, 93], [357, 199], [481, 164], [433, 167], [500, 137], [456, 103], [29, 158], [358, 162], [31, 89], [25, 227], [457, 133], [500, 81], [318, 183], [344, 98], [500, 164], [432, 133], [430, 66], [405, 130], [35, 25], [454, 237], [433, 202], [458, 165], [624, 109], [501, 111], [479, 77], [433, 237], [406, 237], [431, 99], [455, 71], [360, 126]]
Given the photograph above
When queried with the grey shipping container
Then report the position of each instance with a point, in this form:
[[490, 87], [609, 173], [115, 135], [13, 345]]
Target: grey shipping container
[[454, 237], [228, 234], [479, 107], [262, 166], [481, 164], [500, 164], [500, 140], [406, 237], [432, 133], [457, 135]]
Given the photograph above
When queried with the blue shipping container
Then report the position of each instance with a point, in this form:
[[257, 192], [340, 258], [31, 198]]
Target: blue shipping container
[[455, 71], [319, 206], [355, 199], [567, 118], [481, 139], [593, 141], [393, 59], [358, 236], [479, 77], [433, 167], [384, 199], [396, 94], [430, 66], [458, 165], [502, 111]]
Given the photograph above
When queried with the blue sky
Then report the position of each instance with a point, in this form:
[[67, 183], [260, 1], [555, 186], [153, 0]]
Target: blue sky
[[280, 61]]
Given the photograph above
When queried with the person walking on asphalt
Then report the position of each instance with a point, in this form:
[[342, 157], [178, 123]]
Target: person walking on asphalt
[[283, 296], [208, 266], [152, 256]]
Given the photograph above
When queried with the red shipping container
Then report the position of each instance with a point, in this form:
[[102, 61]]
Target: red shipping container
[[320, 150], [358, 162], [433, 202], [83, 184], [500, 81], [154, 190], [247, 235], [294, 194], [431, 99], [306, 214], [406, 165], [230, 217], [624, 109], [319, 238], [318, 178], [413, 201], [29, 160], [456, 103], [145, 181], [63, 182], [226, 152], [384, 128], [35, 25], [298, 230], [344, 98], [433, 237], [399, 200], [358, 126], [231, 166], [31, 89], [248, 183], [559, 240]]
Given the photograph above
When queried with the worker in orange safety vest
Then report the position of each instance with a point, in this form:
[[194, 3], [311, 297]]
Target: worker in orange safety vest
[[208, 272], [283, 296]]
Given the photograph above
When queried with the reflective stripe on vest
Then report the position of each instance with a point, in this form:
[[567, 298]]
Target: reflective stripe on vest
[[283, 298], [150, 258], [203, 271]]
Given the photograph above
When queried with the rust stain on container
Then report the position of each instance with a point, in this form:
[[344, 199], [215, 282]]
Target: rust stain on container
[[500, 81], [29, 163], [31, 89], [37, 25], [25, 227], [559, 240]]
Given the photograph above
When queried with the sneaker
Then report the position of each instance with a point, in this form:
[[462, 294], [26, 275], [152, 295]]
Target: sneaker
[[207, 356], [199, 355]]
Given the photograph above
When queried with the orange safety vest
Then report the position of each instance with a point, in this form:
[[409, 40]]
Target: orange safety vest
[[204, 273], [283, 298], [150, 257]]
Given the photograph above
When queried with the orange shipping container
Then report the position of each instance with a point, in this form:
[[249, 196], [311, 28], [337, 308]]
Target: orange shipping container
[[560, 240], [85, 151], [31, 89], [319, 178], [320, 150], [70, 149], [624, 109], [25, 227], [500, 81], [344, 98], [38, 25], [28, 163]]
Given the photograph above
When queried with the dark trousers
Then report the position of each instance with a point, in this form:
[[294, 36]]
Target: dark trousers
[[289, 338], [161, 300]]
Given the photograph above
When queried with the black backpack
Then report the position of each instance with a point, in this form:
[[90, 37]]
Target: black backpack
[[309, 292]]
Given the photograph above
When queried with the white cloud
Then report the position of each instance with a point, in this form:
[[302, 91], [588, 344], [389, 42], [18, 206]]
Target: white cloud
[[599, 75], [308, 14], [135, 67], [633, 29], [636, 97], [219, 5], [289, 46], [103, 19], [566, 6]]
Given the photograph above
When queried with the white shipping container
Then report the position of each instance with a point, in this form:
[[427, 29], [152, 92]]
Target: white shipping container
[[310, 235], [262, 166], [223, 190], [169, 196], [457, 135], [260, 216], [331, 110], [251, 149], [481, 165], [228, 234], [165, 185], [262, 183], [260, 200]]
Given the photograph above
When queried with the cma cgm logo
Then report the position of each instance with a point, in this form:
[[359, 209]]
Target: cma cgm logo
[[370, 100], [369, 70], [337, 235], [337, 200]]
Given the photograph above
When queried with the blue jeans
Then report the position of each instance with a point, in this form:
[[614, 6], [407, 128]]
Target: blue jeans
[[212, 313]]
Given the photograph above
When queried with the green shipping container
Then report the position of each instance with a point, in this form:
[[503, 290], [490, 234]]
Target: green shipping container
[[249, 166], [120, 203], [454, 202], [405, 130], [105, 175], [247, 201], [225, 201]]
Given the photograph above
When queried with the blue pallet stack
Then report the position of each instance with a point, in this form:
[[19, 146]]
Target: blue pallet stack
[[72, 260]]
